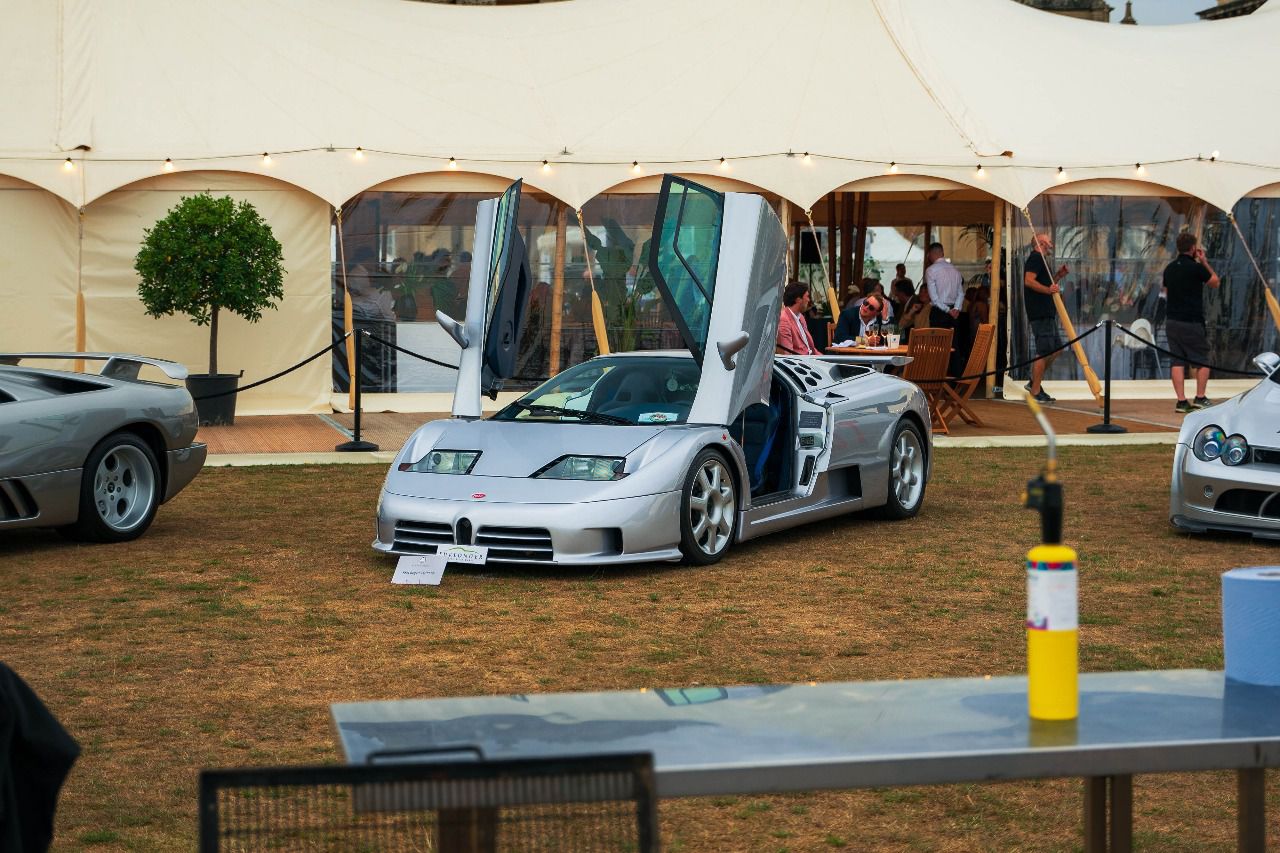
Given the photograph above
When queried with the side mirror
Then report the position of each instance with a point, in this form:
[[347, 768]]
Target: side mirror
[[728, 349], [453, 328], [1267, 362]]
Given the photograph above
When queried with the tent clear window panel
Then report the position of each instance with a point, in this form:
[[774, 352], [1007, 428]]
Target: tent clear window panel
[[686, 255]]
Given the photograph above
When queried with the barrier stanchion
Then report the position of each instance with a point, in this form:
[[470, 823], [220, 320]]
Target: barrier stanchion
[[356, 444], [1106, 426]]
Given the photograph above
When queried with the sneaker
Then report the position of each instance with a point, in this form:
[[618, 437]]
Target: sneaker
[[1041, 396], [1183, 408], [1201, 403]]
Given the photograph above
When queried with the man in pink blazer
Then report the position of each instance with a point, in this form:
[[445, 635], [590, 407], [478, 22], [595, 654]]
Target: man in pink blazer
[[793, 332]]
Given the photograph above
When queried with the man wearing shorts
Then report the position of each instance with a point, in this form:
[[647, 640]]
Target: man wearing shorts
[[1184, 283], [1037, 297]]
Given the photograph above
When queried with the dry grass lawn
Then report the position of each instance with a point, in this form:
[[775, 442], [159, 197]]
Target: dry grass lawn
[[221, 637]]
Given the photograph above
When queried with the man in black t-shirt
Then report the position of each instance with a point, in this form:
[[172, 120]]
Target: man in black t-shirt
[[1184, 283], [1037, 297]]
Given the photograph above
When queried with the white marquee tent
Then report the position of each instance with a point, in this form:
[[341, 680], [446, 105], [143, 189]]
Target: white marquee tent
[[589, 86]]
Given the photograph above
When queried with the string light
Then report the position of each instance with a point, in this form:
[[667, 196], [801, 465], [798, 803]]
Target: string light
[[807, 159], [68, 166], [1062, 174], [979, 172], [635, 167], [893, 168], [453, 164], [546, 167], [724, 165], [358, 154], [1213, 158], [1138, 169], [266, 159], [168, 164]]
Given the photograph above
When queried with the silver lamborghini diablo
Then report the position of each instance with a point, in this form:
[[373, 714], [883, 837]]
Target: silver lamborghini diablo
[[647, 456], [93, 455], [1226, 466]]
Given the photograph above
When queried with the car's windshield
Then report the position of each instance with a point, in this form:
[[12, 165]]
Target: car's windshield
[[622, 390]]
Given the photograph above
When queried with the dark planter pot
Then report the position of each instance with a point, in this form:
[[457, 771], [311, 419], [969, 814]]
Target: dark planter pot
[[219, 409]]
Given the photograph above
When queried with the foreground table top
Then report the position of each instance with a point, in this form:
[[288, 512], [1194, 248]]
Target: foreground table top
[[898, 350], [713, 740]]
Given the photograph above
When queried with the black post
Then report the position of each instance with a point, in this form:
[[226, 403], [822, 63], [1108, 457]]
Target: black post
[[1107, 426], [356, 445]]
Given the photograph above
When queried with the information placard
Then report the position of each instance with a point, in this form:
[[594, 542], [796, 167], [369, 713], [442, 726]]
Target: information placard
[[420, 569]]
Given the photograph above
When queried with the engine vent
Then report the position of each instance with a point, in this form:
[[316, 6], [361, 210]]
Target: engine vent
[[516, 544], [1242, 501], [15, 501], [1266, 456]]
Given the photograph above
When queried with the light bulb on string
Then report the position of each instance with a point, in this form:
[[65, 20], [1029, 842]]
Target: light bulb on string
[[453, 164], [266, 158], [168, 164], [1062, 174], [635, 167], [893, 168], [807, 159], [1139, 169], [724, 165], [979, 172], [546, 167], [358, 154], [68, 166], [1213, 157]]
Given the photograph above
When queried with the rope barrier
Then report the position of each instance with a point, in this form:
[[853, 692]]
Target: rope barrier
[[1185, 360], [408, 352], [275, 376]]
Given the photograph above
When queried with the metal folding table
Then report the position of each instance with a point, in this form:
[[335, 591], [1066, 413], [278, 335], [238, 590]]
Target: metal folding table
[[743, 740]]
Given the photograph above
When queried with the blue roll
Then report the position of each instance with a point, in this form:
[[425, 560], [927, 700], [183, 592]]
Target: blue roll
[[1251, 624]]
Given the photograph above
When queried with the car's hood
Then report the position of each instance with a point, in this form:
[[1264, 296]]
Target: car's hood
[[1255, 414], [519, 448]]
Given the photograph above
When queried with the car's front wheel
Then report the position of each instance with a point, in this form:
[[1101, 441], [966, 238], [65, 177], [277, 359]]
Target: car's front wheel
[[119, 491], [906, 472], [708, 509]]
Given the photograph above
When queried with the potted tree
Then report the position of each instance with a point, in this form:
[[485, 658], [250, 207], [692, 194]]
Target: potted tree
[[209, 255]]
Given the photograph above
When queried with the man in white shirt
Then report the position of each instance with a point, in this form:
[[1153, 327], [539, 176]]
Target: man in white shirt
[[946, 289]]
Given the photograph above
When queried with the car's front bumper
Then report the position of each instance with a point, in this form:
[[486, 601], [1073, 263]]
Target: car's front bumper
[[1213, 496], [627, 530], [181, 467]]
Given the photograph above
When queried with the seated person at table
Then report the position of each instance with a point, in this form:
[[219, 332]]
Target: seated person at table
[[870, 314], [916, 314], [793, 330]]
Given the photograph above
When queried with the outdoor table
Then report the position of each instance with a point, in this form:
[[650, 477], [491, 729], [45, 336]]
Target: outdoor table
[[898, 350], [755, 740]]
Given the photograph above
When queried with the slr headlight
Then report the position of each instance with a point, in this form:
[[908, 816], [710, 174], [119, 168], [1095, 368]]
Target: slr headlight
[[1209, 443], [1236, 450], [583, 468], [444, 462]]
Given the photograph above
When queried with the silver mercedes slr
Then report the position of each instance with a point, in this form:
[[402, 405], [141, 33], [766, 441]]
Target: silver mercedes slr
[[654, 456], [1226, 466], [93, 455]]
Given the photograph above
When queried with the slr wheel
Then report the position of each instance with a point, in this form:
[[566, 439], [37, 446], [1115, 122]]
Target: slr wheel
[[708, 510]]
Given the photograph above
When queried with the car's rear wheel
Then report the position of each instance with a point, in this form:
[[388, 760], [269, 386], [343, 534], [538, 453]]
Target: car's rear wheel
[[119, 491], [906, 472], [708, 510]]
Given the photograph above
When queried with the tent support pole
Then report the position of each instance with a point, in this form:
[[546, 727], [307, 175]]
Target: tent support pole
[[557, 288], [860, 244], [993, 299], [846, 244]]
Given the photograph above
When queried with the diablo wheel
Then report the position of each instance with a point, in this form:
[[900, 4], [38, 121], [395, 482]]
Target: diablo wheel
[[906, 472], [119, 491], [708, 510]]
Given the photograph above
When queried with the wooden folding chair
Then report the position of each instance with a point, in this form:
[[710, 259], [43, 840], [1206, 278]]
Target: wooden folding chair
[[958, 390], [930, 350]]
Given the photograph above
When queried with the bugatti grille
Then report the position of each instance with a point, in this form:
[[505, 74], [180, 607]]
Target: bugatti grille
[[421, 537], [517, 544]]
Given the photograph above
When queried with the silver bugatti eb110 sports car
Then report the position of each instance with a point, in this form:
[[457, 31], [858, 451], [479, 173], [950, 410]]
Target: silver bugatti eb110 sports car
[[1226, 466], [650, 456], [93, 455]]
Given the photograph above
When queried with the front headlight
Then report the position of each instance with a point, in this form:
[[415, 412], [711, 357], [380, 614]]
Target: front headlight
[[1236, 450], [444, 462], [1208, 444], [583, 468]]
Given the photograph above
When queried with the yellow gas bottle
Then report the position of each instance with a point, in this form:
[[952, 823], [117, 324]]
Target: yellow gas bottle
[[1052, 633]]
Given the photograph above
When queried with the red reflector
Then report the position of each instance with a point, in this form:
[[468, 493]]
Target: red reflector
[[478, 495]]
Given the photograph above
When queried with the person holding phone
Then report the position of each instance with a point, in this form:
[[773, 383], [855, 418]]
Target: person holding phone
[[1038, 289], [1184, 282]]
